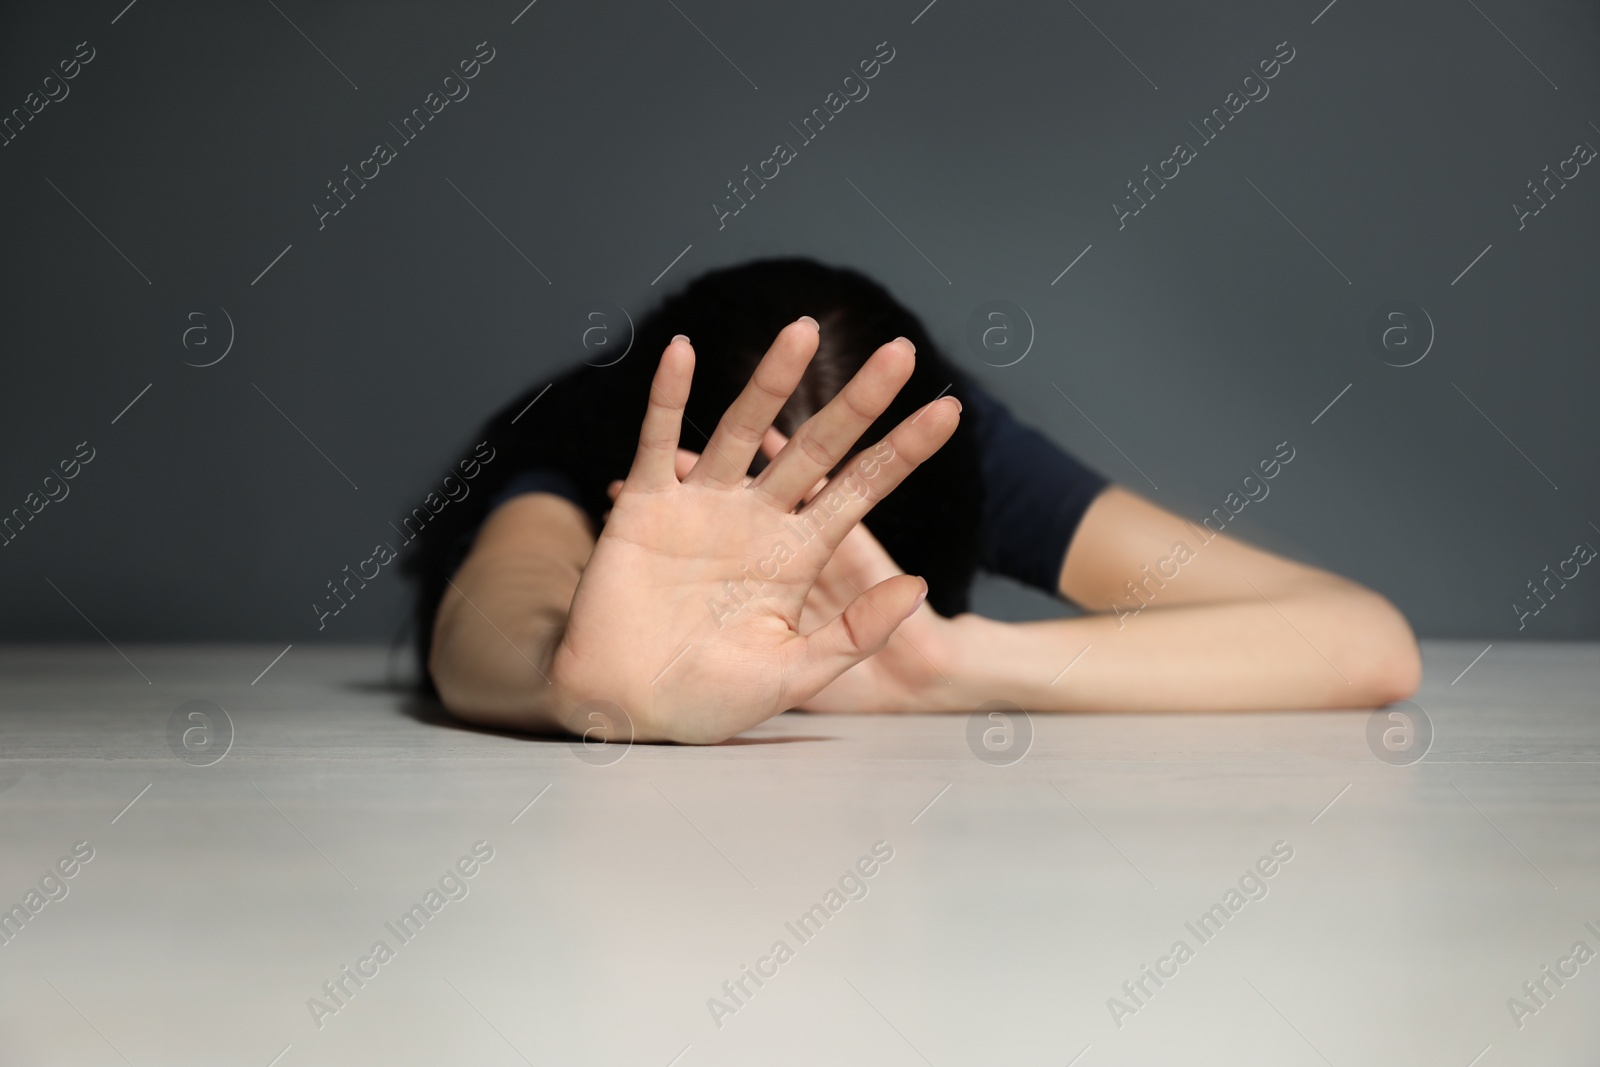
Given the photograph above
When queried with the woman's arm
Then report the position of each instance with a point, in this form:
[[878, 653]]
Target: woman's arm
[[1217, 626], [499, 621], [1205, 625]]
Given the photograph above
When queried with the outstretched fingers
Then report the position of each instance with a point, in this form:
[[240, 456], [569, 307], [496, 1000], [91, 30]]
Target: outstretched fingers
[[726, 458], [828, 435], [653, 463], [875, 472]]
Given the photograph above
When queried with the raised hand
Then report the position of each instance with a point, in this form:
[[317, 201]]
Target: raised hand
[[688, 615]]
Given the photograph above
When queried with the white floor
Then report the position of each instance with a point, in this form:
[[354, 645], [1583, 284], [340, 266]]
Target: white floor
[[1017, 902]]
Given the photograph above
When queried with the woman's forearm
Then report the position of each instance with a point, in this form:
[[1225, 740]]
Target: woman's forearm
[[493, 642], [1321, 645], [504, 612]]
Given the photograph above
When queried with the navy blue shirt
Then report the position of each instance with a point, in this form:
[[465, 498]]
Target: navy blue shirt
[[1034, 494]]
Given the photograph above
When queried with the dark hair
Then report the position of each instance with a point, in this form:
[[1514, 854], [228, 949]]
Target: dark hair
[[587, 427]]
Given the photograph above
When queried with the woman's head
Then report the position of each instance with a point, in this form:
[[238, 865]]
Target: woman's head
[[732, 315], [588, 426]]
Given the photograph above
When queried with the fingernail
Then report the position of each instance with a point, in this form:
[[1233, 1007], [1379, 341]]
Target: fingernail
[[958, 402], [909, 345], [922, 597], [812, 321], [680, 337]]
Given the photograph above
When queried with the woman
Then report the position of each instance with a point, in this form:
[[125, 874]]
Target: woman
[[697, 558]]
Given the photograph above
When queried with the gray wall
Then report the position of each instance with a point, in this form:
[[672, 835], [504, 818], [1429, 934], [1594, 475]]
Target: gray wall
[[1219, 321]]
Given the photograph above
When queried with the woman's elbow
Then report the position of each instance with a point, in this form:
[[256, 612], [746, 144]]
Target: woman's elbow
[[457, 675], [448, 682], [1387, 662]]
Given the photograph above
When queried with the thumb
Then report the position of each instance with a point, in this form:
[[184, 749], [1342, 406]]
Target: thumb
[[862, 629]]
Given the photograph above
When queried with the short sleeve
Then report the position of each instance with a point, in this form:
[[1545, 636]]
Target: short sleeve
[[539, 480], [1034, 496]]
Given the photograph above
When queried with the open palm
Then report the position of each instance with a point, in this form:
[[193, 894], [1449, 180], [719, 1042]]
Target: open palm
[[688, 614]]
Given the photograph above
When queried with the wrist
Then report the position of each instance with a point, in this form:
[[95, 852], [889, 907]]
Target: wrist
[[573, 704], [966, 657]]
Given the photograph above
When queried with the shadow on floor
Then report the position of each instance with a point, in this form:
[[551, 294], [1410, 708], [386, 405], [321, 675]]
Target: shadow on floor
[[428, 711]]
